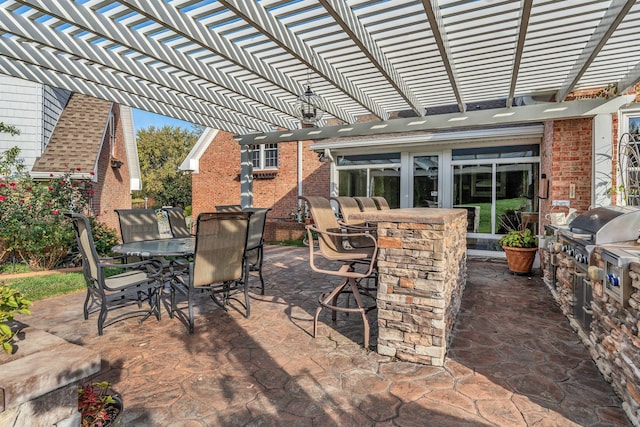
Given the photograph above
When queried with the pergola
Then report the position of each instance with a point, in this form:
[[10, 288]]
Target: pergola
[[239, 66]]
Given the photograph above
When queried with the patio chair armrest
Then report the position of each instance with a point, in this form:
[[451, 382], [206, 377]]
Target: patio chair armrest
[[112, 259], [153, 266], [359, 228], [370, 261], [360, 232]]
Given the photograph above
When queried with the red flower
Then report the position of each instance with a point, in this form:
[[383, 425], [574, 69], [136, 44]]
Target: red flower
[[78, 169], [3, 185], [28, 188], [48, 203], [50, 188], [55, 211], [12, 184], [92, 173], [63, 182], [90, 191], [2, 198], [51, 175]]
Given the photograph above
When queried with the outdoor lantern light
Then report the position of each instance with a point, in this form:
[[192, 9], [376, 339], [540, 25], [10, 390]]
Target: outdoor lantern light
[[309, 107]]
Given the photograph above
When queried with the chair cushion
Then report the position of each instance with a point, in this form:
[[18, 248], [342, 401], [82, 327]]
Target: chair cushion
[[128, 278]]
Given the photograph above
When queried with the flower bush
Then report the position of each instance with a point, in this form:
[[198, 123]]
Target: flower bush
[[33, 228]]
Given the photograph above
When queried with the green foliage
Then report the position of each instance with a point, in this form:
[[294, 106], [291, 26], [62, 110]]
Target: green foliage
[[10, 129], [188, 210], [104, 237], [161, 151], [32, 226], [10, 162], [520, 239], [12, 302]]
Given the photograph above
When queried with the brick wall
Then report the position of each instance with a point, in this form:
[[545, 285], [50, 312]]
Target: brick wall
[[566, 158], [217, 182], [112, 189]]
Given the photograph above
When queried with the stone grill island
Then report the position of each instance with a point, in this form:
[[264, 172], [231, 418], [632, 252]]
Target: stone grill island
[[422, 274]]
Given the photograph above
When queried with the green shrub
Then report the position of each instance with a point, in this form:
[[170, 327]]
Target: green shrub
[[12, 302], [188, 210], [32, 225], [104, 237]]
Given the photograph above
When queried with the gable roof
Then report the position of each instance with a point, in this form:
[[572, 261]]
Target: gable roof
[[77, 140], [192, 161]]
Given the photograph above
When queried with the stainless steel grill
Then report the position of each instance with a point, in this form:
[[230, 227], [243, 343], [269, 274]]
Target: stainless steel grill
[[596, 227]]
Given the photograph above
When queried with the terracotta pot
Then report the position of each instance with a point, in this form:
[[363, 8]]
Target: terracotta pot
[[520, 260]]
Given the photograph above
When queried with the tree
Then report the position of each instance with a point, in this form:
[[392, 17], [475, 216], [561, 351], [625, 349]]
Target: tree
[[161, 151], [10, 129]]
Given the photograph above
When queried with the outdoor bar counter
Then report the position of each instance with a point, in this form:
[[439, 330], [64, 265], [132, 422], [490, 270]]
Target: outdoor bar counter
[[422, 274]]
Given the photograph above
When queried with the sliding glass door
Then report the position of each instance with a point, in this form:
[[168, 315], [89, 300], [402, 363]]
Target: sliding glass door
[[496, 185], [426, 169]]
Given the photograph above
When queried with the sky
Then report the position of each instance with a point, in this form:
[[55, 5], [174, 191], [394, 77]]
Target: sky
[[143, 119]]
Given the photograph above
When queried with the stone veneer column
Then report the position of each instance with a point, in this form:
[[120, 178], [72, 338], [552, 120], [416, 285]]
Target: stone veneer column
[[422, 273]]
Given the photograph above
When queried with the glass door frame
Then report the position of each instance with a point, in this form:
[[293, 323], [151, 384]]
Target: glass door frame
[[494, 166], [409, 178]]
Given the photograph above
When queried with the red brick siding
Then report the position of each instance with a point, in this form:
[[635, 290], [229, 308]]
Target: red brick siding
[[112, 191], [217, 183], [566, 158]]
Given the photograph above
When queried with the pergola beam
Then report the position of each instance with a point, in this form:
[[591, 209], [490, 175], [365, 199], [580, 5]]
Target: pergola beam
[[95, 23], [525, 14], [434, 16], [345, 18], [255, 15], [613, 17], [63, 42], [33, 73]]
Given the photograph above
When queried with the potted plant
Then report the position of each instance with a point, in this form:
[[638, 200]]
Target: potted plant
[[99, 405], [520, 246]]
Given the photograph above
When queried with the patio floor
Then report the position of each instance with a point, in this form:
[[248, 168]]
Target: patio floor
[[514, 361]]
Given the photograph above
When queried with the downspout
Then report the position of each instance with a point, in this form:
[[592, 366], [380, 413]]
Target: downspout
[[299, 154], [299, 168], [246, 177]]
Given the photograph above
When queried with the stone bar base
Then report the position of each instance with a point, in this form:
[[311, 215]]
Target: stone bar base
[[422, 274], [613, 339]]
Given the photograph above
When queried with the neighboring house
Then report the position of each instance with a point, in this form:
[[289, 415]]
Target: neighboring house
[[62, 132], [538, 167], [280, 173]]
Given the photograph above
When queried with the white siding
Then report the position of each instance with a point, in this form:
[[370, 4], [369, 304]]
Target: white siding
[[54, 102], [34, 109]]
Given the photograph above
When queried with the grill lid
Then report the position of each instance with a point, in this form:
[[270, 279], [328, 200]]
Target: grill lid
[[608, 224]]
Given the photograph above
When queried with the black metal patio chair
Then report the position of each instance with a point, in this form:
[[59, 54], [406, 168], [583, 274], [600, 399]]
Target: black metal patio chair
[[219, 267], [177, 222], [137, 283]]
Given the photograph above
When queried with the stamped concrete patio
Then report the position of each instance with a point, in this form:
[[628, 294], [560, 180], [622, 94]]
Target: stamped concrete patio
[[514, 361]]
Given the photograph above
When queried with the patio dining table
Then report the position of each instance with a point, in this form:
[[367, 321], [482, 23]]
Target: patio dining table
[[175, 247]]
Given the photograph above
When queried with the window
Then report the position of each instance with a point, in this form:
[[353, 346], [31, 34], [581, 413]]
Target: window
[[370, 175], [264, 156]]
